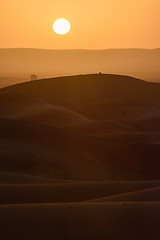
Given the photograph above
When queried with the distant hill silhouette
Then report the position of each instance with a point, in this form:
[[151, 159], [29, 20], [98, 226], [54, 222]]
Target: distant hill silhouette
[[21, 63]]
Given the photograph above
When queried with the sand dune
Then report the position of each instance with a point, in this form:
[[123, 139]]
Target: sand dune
[[17, 178], [53, 152], [121, 109], [100, 128], [29, 108], [67, 192], [127, 221], [55, 116], [87, 89], [148, 137], [79, 159], [47, 151], [149, 194], [75, 101], [101, 97]]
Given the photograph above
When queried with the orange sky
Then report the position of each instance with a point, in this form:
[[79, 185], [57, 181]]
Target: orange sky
[[94, 24]]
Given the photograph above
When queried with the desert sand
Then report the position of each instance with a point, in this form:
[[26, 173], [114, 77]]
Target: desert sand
[[79, 159]]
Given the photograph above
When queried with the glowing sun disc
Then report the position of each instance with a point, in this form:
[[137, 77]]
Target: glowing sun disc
[[61, 26]]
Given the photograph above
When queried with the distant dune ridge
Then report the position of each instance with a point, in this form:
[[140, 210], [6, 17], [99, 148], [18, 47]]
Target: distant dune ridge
[[79, 159], [18, 64]]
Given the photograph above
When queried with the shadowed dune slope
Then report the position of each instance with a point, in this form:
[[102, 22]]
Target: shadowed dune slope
[[66, 148], [80, 159], [67, 192], [101, 97], [85, 89], [150, 194], [132, 108], [127, 221], [72, 102], [47, 151], [17, 178], [29, 108]]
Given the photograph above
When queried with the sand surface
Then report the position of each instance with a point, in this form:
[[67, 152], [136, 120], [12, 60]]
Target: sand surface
[[80, 159], [127, 221]]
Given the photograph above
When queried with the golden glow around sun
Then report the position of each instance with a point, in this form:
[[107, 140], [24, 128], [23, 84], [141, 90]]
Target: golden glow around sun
[[61, 26]]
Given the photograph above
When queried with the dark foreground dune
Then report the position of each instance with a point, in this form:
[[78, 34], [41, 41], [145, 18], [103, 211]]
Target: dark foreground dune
[[17, 178], [75, 191], [149, 194], [80, 159], [126, 221]]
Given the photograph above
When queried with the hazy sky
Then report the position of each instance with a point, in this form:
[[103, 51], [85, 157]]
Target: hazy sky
[[94, 24]]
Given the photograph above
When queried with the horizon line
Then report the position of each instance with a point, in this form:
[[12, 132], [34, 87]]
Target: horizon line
[[78, 49]]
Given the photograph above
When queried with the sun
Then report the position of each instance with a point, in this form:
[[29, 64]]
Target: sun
[[61, 26]]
